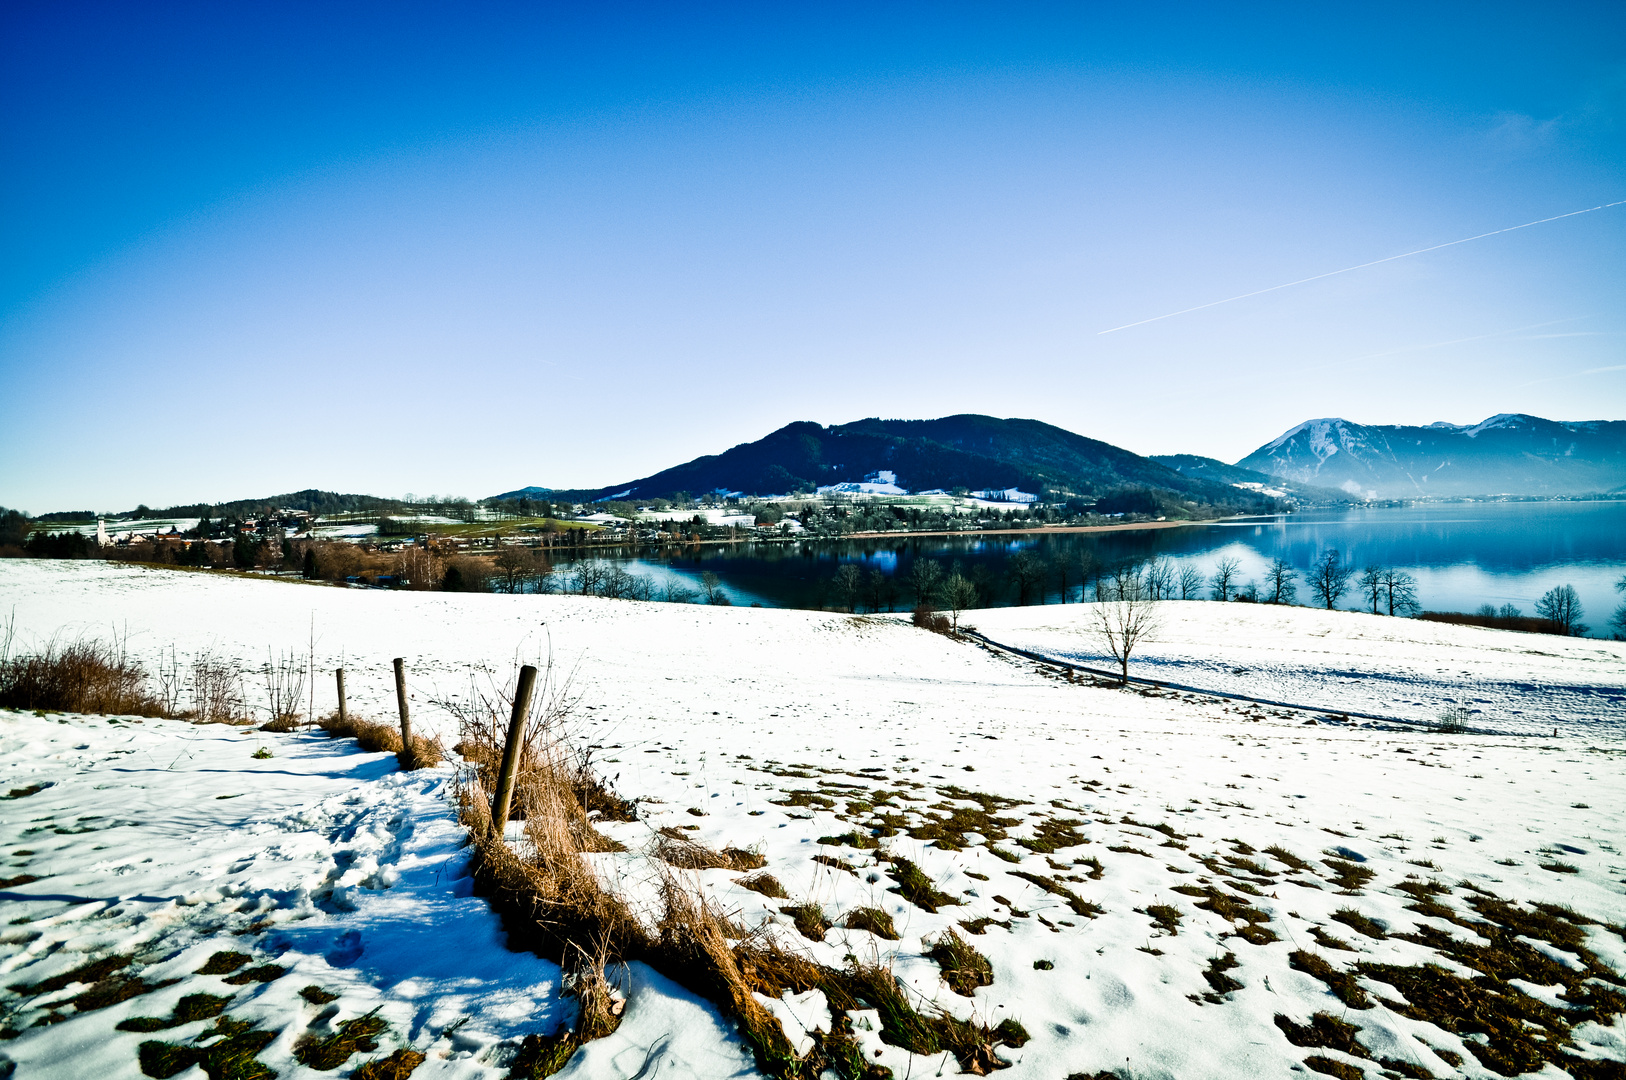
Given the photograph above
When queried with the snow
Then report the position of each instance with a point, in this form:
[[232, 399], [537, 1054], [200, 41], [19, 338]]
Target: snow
[[1007, 495], [354, 875], [1341, 661], [1497, 422], [862, 488]]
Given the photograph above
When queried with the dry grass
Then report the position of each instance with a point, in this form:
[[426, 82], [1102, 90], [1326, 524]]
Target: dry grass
[[766, 884], [554, 903], [675, 849], [85, 676], [377, 738], [872, 919], [964, 968]]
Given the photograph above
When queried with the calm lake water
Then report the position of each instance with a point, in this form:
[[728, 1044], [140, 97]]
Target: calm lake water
[[1462, 554]]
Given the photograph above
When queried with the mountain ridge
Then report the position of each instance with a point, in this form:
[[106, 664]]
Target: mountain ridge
[[1505, 454], [966, 450]]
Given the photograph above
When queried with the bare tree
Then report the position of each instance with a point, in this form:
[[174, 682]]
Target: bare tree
[[959, 593], [1089, 572], [1190, 581], [849, 585], [1561, 606], [1063, 568], [876, 588], [1027, 570], [1279, 583], [711, 589], [1371, 586], [516, 568], [1329, 579], [1160, 579], [617, 583], [925, 578], [1124, 621], [1125, 579], [1400, 590], [588, 577], [1224, 579], [1618, 619]]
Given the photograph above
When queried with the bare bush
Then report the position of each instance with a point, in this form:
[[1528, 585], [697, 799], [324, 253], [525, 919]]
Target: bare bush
[[935, 621], [284, 685], [171, 681], [217, 690]]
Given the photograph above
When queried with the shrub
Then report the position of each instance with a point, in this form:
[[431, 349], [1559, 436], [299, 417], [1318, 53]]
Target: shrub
[[86, 676], [467, 573], [928, 619]]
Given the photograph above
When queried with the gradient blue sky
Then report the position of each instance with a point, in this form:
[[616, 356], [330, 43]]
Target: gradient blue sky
[[250, 248]]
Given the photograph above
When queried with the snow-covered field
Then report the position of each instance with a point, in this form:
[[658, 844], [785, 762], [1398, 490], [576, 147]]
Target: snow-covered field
[[1146, 874], [1345, 661]]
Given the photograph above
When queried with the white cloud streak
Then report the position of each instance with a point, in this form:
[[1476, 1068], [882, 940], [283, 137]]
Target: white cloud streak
[[1361, 266]]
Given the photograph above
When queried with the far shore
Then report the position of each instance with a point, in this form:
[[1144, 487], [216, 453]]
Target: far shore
[[1125, 527]]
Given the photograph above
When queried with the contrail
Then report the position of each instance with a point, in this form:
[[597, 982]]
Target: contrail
[[1362, 266]]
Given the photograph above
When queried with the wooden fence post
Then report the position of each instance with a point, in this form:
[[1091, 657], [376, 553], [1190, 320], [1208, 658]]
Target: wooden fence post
[[344, 714], [401, 698], [510, 751]]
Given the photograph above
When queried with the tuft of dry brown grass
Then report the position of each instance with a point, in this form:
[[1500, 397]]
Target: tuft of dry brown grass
[[85, 676], [378, 738], [282, 725], [694, 940], [675, 849], [872, 919], [964, 968], [766, 884]]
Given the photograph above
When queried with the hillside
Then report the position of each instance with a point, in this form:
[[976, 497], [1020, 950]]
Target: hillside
[[1508, 454], [1212, 469], [965, 451]]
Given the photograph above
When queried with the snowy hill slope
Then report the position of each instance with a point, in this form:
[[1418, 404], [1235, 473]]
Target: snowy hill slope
[[1507, 454], [1146, 875]]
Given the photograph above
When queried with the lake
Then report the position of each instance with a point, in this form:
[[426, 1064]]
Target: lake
[[1462, 554]]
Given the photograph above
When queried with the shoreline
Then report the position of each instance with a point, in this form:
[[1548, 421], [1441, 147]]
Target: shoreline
[[1128, 527]]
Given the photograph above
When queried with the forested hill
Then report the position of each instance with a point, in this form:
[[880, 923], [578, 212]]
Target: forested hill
[[966, 451], [309, 500]]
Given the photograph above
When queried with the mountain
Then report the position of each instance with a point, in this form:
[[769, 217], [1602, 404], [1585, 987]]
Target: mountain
[[1509, 454], [1207, 468], [965, 451]]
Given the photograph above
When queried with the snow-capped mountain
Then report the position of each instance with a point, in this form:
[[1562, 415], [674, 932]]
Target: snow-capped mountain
[[1508, 454]]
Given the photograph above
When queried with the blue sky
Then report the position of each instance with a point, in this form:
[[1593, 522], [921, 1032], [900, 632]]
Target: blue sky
[[255, 248]]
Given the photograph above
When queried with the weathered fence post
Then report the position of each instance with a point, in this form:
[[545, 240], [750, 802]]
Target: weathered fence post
[[510, 751], [401, 698], [344, 714]]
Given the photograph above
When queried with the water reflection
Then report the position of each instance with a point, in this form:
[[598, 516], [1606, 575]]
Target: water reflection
[[1463, 555]]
